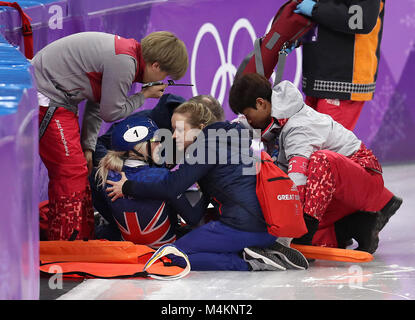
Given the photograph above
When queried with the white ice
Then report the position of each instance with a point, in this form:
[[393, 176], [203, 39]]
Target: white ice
[[391, 275]]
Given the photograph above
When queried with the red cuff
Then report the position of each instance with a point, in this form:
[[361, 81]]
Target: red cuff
[[298, 165]]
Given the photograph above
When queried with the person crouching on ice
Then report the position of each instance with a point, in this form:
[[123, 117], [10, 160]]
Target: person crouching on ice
[[339, 179], [143, 220], [236, 241]]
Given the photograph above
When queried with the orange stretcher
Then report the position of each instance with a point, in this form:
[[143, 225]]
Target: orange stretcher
[[333, 254], [110, 259]]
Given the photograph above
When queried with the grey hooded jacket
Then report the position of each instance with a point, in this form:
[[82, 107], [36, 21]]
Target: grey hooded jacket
[[306, 130], [61, 71]]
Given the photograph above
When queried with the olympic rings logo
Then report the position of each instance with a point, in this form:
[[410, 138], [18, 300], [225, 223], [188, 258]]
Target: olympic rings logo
[[227, 70]]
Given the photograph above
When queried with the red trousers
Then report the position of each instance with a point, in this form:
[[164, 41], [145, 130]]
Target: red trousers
[[345, 112], [338, 186], [70, 202]]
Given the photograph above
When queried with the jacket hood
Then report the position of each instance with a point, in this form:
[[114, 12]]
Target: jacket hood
[[161, 114], [286, 101]]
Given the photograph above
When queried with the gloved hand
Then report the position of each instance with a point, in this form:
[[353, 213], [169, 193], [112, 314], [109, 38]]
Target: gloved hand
[[305, 7], [290, 49], [312, 226], [274, 154]]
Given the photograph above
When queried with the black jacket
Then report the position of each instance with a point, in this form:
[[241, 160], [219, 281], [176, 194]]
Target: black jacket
[[343, 62]]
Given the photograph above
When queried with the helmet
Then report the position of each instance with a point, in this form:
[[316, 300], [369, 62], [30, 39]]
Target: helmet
[[132, 131]]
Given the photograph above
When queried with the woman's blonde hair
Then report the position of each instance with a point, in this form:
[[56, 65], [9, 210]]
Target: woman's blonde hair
[[168, 50], [198, 114], [212, 103], [114, 161]]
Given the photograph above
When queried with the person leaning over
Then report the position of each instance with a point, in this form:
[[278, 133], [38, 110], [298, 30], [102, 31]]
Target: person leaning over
[[101, 68]]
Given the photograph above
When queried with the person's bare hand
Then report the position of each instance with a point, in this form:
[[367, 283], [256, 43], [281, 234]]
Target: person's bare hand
[[154, 91], [115, 191]]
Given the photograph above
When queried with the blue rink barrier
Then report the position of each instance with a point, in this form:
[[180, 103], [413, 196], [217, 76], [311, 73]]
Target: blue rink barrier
[[19, 195], [24, 176]]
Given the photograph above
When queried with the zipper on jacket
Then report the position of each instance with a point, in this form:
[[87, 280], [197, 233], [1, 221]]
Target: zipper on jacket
[[278, 178]]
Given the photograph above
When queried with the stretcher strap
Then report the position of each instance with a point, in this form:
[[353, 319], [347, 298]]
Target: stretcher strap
[[77, 267], [163, 251], [46, 120], [26, 28]]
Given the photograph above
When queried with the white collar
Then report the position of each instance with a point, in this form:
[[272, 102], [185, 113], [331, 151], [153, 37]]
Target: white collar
[[133, 163]]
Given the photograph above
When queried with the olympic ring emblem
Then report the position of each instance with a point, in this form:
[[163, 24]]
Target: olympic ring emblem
[[227, 69]]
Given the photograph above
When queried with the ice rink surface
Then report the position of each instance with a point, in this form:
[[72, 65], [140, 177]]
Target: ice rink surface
[[390, 276]]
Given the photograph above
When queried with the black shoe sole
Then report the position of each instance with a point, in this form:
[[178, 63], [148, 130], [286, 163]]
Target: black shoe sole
[[387, 212], [373, 243], [368, 239], [292, 257], [382, 218]]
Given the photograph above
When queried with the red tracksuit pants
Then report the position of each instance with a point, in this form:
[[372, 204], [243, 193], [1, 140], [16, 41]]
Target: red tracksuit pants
[[70, 202], [338, 186], [345, 112]]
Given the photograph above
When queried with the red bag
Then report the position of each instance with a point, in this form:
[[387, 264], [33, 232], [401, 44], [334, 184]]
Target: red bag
[[287, 27], [26, 28], [279, 200]]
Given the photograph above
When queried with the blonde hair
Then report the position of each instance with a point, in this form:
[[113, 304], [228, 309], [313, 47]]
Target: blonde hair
[[114, 161], [212, 103], [198, 114], [168, 50]]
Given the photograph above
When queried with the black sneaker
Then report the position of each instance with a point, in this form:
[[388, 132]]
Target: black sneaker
[[260, 260], [293, 258], [387, 212], [360, 226]]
